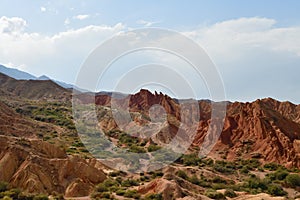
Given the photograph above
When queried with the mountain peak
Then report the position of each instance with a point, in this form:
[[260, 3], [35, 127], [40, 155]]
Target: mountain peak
[[15, 73], [43, 77]]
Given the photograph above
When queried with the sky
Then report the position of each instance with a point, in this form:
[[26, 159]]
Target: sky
[[255, 45]]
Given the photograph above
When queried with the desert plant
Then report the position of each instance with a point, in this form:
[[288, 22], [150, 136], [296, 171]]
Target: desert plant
[[182, 174], [132, 194], [3, 186], [230, 193], [293, 180], [271, 166], [214, 194], [276, 190], [153, 197]]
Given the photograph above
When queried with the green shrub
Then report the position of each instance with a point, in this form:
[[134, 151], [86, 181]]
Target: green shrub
[[153, 197], [115, 173], [190, 159], [101, 195], [101, 188], [107, 185], [244, 170], [129, 183], [251, 164], [3, 186], [271, 166], [276, 190], [278, 175], [194, 179], [40, 197], [214, 194], [182, 174], [132, 194], [137, 149], [223, 168], [293, 180], [156, 174], [256, 183], [208, 162], [218, 186], [153, 147], [218, 179], [120, 192], [230, 193]]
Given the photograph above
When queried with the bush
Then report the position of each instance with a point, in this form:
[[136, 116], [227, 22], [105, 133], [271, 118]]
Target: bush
[[218, 179], [251, 164], [244, 170], [256, 183], [3, 186], [107, 185], [214, 194], [132, 194], [129, 183], [182, 174], [157, 174], [223, 169], [230, 193], [278, 175], [293, 180], [120, 192], [153, 147], [101, 195], [40, 197], [276, 190], [271, 166], [153, 197], [194, 180], [190, 160], [137, 149]]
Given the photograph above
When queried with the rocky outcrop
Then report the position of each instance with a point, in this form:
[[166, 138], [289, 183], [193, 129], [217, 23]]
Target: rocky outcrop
[[265, 129], [40, 167], [168, 189]]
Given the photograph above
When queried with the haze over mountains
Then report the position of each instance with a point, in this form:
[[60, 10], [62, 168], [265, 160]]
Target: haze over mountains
[[21, 75]]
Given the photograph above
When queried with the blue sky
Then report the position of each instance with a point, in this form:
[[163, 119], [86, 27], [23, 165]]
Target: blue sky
[[173, 14], [254, 44]]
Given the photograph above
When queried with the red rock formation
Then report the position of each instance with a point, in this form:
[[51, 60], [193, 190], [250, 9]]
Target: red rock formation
[[265, 129]]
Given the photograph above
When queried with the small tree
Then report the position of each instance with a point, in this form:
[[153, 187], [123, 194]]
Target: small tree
[[293, 180]]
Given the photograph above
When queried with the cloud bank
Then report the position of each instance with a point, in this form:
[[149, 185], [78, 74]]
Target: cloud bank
[[255, 57]]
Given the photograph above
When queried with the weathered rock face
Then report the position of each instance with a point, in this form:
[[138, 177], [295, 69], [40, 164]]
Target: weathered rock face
[[266, 129], [39, 167], [168, 189]]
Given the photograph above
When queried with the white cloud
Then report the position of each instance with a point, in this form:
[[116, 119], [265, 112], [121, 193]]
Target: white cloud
[[12, 25], [233, 38], [81, 17], [67, 21], [146, 23], [255, 57], [43, 9], [59, 55]]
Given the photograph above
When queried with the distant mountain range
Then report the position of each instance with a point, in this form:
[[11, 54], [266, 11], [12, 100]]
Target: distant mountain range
[[21, 75]]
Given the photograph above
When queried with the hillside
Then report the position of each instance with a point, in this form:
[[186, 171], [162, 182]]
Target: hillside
[[256, 156], [33, 89]]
